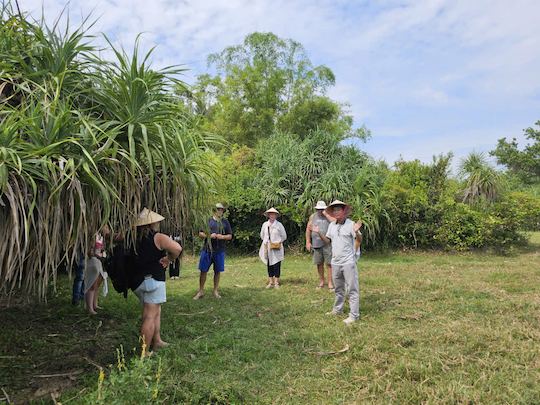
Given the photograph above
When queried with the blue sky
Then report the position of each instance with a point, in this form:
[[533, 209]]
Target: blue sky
[[426, 77]]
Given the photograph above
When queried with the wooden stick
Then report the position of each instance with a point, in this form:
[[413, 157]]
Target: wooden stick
[[195, 313], [6, 396], [72, 373]]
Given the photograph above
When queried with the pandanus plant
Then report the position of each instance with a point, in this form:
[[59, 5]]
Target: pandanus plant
[[86, 142]]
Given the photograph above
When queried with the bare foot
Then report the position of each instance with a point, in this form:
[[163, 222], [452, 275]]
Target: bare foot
[[199, 295], [92, 312], [216, 295], [160, 345]]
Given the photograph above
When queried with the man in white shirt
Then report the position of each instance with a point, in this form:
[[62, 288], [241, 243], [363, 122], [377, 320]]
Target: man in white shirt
[[342, 234]]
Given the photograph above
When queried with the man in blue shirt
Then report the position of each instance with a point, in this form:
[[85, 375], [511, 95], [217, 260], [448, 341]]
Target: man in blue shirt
[[213, 251]]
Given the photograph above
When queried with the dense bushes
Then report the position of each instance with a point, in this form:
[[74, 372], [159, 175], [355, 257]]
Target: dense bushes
[[295, 148], [412, 205], [289, 173]]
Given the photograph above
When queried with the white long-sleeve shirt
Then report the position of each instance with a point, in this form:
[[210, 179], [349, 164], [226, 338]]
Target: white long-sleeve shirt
[[277, 234]]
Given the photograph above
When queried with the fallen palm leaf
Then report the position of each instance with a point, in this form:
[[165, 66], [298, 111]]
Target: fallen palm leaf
[[6, 396], [345, 349], [93, 363], [97, 328]]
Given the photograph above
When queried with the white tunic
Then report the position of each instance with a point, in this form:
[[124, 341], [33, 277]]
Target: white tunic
[[277, 234]]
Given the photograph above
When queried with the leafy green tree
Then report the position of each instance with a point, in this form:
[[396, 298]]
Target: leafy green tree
[[245, 202], [267, 84], [526, 162]]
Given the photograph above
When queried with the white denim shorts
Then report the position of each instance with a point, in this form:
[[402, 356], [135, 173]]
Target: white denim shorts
[[158, 296]]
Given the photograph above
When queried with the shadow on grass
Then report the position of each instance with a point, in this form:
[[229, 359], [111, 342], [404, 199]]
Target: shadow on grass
[[46, 348], [251, 333]]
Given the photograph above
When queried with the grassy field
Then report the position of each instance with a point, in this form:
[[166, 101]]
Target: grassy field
[[435, 328]]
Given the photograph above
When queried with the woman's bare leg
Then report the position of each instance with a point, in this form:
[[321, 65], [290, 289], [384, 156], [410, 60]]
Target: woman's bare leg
[[96, 286], [157, 343], [148, 327]]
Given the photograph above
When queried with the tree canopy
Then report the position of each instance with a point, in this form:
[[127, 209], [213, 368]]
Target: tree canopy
[[525, 162], [267, 84]]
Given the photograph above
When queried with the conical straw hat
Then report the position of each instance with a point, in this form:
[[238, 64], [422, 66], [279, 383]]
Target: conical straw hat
[[147, 217], [268, 211]]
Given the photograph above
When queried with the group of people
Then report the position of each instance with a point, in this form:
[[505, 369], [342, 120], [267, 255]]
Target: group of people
[[332, 238]]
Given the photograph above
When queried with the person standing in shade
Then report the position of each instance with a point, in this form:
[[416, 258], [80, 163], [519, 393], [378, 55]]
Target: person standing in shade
[[78, 281], [174, 267], [342, 234], [322, 252], [213, 251], [271, 251]]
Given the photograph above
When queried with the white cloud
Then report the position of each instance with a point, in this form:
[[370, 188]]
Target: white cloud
[[428, 95], [405, 66]]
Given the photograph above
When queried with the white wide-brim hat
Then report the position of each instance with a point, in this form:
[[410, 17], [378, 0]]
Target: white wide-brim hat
[[335, 203], [219, 206], [270, 210], [321, 205], [147, 217]]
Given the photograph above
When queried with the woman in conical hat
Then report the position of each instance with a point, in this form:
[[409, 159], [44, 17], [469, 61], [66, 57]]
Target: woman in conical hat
[[271, 251], [154, 252]]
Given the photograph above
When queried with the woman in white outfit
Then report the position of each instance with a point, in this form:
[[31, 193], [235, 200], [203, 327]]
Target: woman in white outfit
[[271, 252]]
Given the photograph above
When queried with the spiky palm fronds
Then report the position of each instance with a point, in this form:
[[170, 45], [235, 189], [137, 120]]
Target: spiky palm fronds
[[84, 142], [481, 180], [299, 172]]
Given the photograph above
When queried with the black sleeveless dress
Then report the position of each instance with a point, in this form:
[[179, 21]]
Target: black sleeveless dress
[[146, 261]]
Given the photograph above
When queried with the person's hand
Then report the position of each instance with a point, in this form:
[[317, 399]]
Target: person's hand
[[165, 261], [357, 225], [308, 246], [315, 228], [213, 236]]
